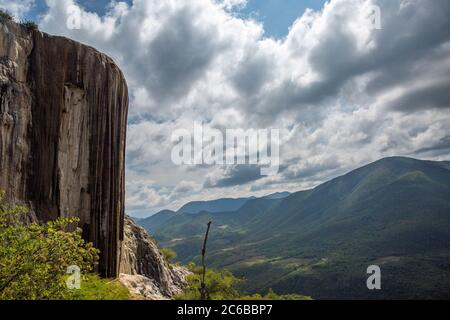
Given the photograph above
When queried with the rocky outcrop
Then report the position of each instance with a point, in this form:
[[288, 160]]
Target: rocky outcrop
[[63, 117], [143, 268]]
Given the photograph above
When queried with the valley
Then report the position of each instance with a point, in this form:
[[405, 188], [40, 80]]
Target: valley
[[394, 213]]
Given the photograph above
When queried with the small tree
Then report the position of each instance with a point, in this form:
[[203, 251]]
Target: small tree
[[6, 15], [34, 258], [221, 284], [29, 25], [204, 294], [208, 284]]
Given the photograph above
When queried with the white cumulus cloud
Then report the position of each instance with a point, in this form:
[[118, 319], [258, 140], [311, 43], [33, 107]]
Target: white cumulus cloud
[[342, 94]]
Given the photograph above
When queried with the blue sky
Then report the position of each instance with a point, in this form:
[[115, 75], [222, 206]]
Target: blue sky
[[276, 15], [98, 6]]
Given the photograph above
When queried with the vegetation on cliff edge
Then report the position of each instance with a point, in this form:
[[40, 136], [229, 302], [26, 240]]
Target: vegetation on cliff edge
[[30, 25], [6, 15], [34, 259]]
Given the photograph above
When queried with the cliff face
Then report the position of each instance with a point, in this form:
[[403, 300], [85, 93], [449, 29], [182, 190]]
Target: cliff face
[[63, 116], [143, 268]]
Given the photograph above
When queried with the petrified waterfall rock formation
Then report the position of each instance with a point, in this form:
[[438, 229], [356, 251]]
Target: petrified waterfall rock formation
[[143, 268], [63, 116]]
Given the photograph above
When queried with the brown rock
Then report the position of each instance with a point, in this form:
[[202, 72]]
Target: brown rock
[[63, 117], [143, 268]]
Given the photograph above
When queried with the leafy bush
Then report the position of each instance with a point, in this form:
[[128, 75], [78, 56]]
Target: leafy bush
[[222, 285], [95, 288], [34, 258], [168, 254], [29, 24], [6, 15]]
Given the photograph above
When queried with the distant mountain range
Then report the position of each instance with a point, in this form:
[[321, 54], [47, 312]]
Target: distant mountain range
[[154, 222], [394, 213], [220, 205]]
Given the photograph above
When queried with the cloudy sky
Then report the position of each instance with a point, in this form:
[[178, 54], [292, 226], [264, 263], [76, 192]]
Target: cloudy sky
[[343, 94]]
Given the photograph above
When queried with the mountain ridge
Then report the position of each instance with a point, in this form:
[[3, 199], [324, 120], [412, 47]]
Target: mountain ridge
[[196, 207], [395, 207]]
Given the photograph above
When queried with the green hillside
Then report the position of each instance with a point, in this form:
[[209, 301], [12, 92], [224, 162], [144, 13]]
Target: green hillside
[[394, 213], [220, 205], [153, 223]]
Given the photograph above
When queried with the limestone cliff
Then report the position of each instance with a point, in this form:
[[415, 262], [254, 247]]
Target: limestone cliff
[[63, 117], [143, 268]]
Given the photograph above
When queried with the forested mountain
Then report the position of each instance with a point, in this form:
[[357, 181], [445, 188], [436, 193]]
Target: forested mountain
[[394, 213]]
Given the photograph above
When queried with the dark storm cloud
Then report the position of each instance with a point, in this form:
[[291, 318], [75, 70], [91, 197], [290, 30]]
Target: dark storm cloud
[[440, 146], [410, 33], [432, 96], [252, 73], [309, 170], [178, 56], [235, 176]]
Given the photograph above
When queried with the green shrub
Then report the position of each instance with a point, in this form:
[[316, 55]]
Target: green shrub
[[93, 287], [168, 254], [6, 15], [29, 25], [222, 285], [34, 258]]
